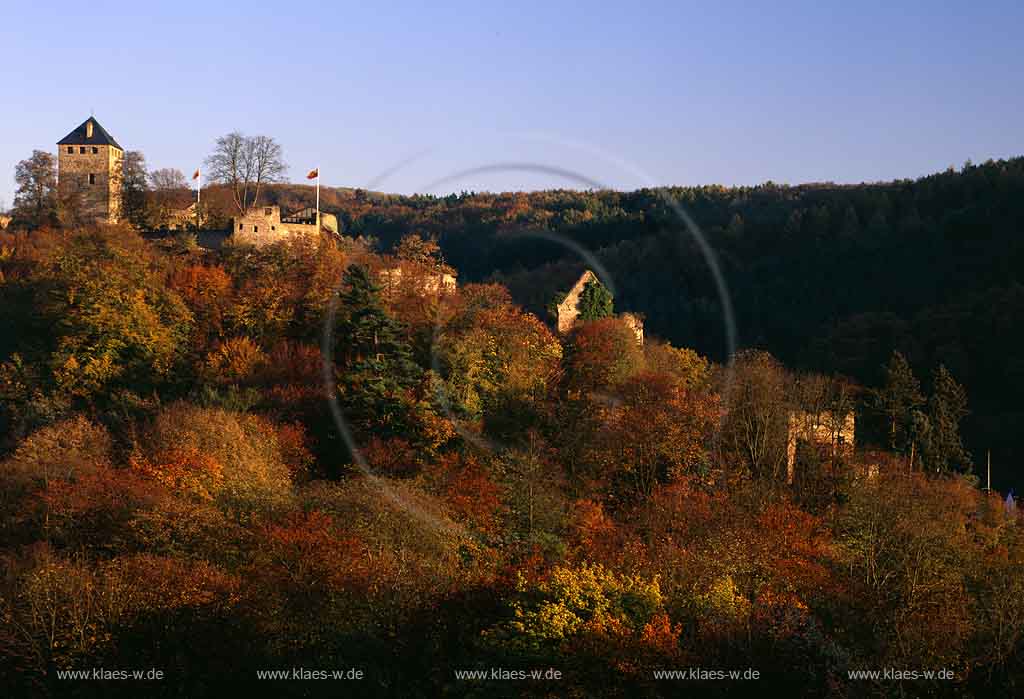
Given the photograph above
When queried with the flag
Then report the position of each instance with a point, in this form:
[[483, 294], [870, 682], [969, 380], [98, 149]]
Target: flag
[[313, 174], [195, 175]]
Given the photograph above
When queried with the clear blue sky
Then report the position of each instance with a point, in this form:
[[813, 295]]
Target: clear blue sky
[[625, 94]]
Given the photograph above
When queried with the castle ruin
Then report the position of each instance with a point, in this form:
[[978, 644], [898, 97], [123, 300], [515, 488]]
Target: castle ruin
[[832, 432], [568, 310], [263, 225]]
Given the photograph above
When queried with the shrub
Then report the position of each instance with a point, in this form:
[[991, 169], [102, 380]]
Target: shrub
[[231, 458]]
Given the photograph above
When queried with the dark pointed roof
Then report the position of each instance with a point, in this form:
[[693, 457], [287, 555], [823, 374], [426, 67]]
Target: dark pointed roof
[[100, 137]]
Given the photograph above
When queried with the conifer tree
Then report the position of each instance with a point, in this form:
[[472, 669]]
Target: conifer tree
[[376, 361], [897, 400], [946, 408], [595, 302]]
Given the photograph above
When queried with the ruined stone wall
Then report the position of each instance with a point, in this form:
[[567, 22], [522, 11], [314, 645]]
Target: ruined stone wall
[[185, 218], [568, 309], [394, 281], [825, 429]]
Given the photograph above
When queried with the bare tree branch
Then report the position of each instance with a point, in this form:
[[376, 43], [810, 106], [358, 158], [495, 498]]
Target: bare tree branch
[[246, 163]]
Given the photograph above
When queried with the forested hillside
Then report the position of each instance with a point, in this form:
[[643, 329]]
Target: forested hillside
[[315, 455], [826, 277]]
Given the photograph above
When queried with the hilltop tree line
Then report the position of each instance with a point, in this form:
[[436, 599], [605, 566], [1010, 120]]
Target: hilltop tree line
[[176, 492]]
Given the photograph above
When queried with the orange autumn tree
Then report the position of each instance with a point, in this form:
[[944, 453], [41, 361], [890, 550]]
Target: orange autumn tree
[[600, 356], [659, 432], [183, 469], [237, 360], [233, 459], [61, 485], [467, 488], [207, 290]]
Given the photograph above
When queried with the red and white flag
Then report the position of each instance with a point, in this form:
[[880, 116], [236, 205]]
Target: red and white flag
[[313, 174], [195, 175]]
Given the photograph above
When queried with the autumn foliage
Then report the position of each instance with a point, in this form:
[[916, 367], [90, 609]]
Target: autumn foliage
[[221, 461]]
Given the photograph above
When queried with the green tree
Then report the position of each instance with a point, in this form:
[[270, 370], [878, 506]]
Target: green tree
[[897, 400], [375, 357], [947, 406], [595, 302]]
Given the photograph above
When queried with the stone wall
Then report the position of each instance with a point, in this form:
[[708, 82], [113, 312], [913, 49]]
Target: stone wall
[[833, 432], [393, 279], [262, 225], [100, 198], [568, 309]]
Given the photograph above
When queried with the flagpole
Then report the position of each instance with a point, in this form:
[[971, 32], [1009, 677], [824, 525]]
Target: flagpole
[[318, 199], [199, 197]]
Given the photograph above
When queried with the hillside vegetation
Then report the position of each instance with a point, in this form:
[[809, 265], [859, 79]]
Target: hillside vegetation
[[177, 493]]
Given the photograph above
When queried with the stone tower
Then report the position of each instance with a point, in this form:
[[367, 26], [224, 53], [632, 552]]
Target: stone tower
[[90, 172]]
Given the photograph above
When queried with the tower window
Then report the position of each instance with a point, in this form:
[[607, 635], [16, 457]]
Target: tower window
[[95, 150], [241, 226], [81, 149], [255, 229], [88, 129], [92, 178], [71, 149], [267, 212]]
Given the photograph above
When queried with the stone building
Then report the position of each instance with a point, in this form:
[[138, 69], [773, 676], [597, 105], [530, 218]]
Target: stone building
[[568, 310], [90, 173], [263, 225], [432, 284], [833, 433]]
